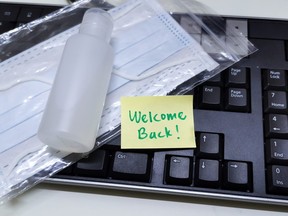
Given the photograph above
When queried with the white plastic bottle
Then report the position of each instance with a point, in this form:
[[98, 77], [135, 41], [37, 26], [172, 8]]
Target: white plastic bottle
[[73, 112]]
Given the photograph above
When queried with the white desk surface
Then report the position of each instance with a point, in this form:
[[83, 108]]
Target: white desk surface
[[54, 200]]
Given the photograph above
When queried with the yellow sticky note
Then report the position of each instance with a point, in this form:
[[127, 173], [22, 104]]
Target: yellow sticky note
[[157, 122]]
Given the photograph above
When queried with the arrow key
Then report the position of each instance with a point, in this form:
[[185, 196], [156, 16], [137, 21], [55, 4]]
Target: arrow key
[[237, 176], [207, 173], [210, 145], [179, 170]]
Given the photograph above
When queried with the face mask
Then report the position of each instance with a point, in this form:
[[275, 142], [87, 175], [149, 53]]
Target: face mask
[[157, 56], [150, 42], [153, 55]]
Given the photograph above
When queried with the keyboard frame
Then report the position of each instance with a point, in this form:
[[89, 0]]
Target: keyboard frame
[[208, 121]]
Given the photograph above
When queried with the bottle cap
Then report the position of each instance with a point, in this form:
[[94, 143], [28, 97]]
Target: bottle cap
[[97, 22]]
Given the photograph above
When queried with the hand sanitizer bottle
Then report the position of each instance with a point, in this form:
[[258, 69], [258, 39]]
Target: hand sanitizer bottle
[[73, 112]]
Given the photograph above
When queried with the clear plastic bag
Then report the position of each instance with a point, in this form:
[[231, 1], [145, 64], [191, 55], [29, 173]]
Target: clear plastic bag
[[24, 160], [224, 45], [31, 53]]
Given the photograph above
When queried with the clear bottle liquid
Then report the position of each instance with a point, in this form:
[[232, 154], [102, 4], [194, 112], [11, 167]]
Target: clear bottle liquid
[[73, 112]]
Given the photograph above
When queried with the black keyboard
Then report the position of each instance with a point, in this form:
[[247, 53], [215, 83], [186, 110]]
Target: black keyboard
[[241, 121]]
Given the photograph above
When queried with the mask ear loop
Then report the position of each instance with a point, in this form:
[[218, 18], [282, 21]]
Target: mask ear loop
[[154, 70], [125, 9], [28, 79]]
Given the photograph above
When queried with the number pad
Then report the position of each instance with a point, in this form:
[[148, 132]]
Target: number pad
[[276, 129]]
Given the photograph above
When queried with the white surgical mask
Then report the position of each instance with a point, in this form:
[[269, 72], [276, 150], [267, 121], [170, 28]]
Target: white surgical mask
[[153, 55]]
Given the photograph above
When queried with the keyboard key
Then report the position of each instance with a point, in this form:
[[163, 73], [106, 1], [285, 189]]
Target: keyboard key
[[276, 125], [190, 25], [268, 30], [239, 25], [215, 80], [286, 50], [29, 14], [238, 45], [237, 77], [179, 170], [209, 146], [6, 26], [9, 13], [95, 165], [277, 179], [274, 79], [277, 151], [215, 24], [210, 46], [275, 102], [237, 176], [19, 24], [210, 97], [46, 11], [207, 173], [131, 166], [67, 171], [237, 100]]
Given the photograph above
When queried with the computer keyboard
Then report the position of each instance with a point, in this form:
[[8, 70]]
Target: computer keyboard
[[241, 122]]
